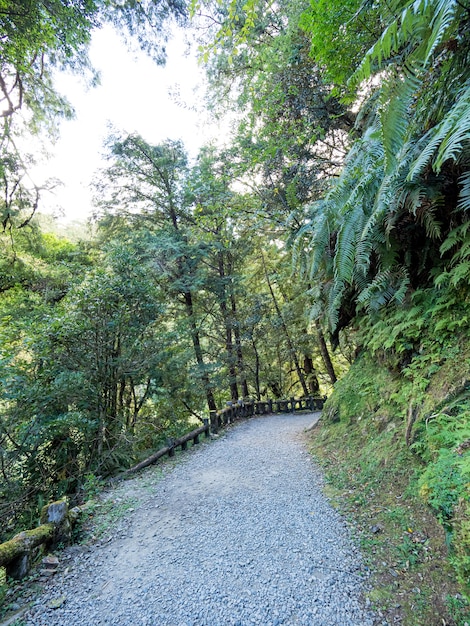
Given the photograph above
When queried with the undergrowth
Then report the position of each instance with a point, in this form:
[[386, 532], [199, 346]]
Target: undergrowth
[[395, 445]]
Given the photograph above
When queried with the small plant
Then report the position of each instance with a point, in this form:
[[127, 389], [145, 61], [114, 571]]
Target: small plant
[[410, 552], [459, 609], [92, 486]]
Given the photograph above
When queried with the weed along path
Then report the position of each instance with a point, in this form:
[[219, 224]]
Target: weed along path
[[237, 532]]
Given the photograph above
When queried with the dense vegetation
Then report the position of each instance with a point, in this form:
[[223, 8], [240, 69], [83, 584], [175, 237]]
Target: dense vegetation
[[345, 241]]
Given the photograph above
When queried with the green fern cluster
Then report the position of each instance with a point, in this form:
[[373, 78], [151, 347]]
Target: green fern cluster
[[397, 215]]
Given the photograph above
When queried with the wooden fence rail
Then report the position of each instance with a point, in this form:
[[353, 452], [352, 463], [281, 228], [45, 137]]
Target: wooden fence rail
[[249, 408], [171, 447]]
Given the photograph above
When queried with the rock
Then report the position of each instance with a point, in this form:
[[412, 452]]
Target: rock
[[56, 603], [50, 562], [313, 425], [54, 513], [20, 567], [47, 572]]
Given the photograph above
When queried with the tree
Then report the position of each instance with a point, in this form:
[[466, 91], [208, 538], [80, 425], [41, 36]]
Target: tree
[[37, 274], [291, 130], [39, 38], [107, 335], [218, 219], [145, 184]]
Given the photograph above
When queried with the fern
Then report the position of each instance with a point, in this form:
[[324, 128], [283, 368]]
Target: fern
[[346, 244], [464, 196], [387, 286], [431, 139], [456, 237], [442, 20], [455, 130], [397, 96], [422, 25]]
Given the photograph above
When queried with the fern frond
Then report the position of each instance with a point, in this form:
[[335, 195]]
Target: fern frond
[[387, 44], [456, 237], [442, 20], [320, 243], [372, 239], [448, 139], [464, 196], [455, 130], [396, 99], [424, 201], [431, 141], [432, 226], [335, 297], [346, 244], [459, 273], [387, 285]]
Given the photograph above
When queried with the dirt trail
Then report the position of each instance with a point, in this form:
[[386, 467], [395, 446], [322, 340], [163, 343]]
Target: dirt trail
[[236, 532]]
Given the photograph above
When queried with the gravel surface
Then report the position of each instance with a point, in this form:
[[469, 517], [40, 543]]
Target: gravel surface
[[236, 533]]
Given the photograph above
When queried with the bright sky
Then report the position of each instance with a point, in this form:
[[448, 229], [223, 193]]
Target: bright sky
[[134, 95]]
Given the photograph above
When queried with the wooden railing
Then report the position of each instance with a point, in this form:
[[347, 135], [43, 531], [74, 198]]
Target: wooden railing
[[249, 408], [173, 444]]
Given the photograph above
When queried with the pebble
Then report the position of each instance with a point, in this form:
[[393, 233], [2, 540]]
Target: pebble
[[237, 533]]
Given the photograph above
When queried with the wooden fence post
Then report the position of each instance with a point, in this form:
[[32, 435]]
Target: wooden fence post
[[214, 421]]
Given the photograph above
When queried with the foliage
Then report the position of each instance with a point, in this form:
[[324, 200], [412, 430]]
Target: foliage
[[81, 373], [39, 38], [405, 174], [377, 482], [350, 155], [289, 131], [349, 27], [418, 353]]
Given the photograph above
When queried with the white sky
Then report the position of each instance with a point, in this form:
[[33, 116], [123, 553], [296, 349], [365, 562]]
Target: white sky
[[134, 95]]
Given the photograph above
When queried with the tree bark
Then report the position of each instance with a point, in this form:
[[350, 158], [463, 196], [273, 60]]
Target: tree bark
[[257, 370], [293, 354], [325, 354], [236, 331], [229, 349], [188, 300], [311, 376]]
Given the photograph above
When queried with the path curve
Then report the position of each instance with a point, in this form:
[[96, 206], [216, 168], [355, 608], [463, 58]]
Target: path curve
[[237, 533]]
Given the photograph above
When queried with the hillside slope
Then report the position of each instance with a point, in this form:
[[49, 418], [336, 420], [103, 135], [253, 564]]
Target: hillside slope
[[395, 442]]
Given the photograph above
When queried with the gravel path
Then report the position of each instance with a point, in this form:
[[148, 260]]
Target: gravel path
[[237, 533]]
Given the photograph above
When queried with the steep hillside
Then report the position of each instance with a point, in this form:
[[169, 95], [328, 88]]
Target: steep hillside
[[395, 442]]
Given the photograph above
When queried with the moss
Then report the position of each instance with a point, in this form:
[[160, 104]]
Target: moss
[[24, 542], [55, 512], [461, 543]]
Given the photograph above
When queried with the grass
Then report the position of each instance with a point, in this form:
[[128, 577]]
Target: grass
[[372, 481]]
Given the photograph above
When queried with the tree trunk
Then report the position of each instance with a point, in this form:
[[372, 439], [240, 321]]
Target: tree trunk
[[229, 349], [188, 300], [257, 369], [325, 354], [236, 331], [311, 376], [293, 354]]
